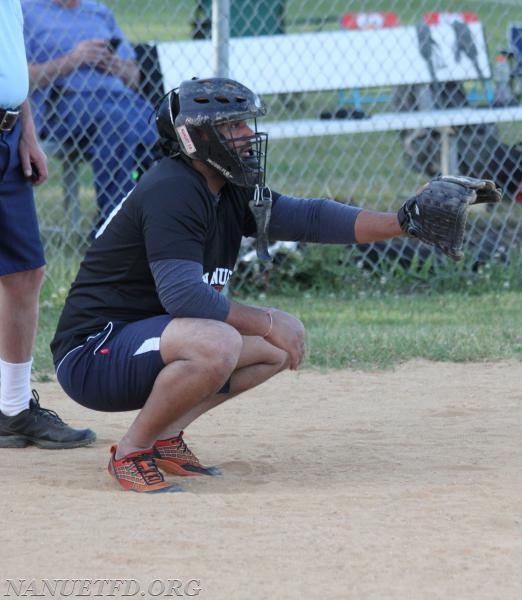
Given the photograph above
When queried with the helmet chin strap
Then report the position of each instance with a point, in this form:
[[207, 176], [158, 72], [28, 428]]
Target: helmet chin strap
[[261, 207]]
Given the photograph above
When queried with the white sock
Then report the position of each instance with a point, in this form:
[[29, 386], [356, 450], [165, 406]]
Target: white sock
[[15, 387]]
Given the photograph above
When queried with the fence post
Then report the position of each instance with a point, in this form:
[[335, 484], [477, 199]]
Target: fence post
[[221, 36]]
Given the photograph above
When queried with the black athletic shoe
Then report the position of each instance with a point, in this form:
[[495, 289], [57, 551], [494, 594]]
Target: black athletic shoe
[[41, 427]]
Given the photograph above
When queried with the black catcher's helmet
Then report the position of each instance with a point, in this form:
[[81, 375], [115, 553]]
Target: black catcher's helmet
[[191, 114]]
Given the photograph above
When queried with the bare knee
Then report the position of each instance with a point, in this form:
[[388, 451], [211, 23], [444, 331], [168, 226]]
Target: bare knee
[[212, 344], [223, 351]]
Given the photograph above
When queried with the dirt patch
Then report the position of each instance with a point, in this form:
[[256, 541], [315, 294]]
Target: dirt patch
[[383, 485]]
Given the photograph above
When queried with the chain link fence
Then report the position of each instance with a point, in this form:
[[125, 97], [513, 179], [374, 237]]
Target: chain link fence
[[372, 169]]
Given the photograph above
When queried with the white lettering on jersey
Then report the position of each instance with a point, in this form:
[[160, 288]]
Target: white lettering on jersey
[[219, 278]]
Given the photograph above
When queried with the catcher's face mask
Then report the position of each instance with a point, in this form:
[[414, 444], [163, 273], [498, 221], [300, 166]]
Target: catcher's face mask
[[215, 121]]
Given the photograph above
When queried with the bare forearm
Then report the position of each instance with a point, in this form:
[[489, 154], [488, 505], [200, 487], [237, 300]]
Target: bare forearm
[[29, 131], [42, 74], [249, 320], [375, 226], [32, 157]]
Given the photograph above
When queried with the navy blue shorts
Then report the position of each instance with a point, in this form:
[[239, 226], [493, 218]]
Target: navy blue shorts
[[115, 369], [21, 247]]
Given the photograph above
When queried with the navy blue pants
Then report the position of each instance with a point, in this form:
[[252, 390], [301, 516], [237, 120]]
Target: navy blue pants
[[115, 369], [115, 131], [21, 248]]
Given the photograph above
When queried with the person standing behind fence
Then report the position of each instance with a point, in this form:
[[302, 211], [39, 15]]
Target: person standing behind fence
[[85, 82], [22, 164]]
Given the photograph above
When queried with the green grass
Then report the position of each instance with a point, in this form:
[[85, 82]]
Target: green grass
[[373, 331], [341, 168], [380, 332], [153, 20]]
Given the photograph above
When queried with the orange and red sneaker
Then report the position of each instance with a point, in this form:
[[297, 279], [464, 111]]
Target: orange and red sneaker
[[139, 473], [174, 456]]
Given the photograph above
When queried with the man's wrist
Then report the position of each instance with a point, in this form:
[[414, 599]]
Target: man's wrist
[[269, 314]]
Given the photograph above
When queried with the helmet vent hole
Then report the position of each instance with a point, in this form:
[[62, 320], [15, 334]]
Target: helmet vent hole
[[222, 99], [201, 100]]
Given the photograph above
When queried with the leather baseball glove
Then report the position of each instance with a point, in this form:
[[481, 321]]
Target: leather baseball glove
[[437, 214]]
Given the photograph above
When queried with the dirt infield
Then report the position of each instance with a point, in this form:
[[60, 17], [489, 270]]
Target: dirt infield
[[342, 485]]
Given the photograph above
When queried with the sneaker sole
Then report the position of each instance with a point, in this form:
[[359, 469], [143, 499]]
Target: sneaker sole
[[172, 488], [13, 441], [19, 441], [173, 468]]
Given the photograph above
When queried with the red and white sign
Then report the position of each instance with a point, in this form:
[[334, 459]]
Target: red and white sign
[[369, 20], [447, 18]]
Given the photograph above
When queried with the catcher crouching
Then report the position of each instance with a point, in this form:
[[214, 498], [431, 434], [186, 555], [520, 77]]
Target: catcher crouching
[[145, 326]]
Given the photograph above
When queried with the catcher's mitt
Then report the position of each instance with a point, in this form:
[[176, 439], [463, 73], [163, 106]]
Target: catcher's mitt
[[437, 213]]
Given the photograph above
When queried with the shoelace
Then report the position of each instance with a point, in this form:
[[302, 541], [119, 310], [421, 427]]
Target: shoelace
[[46, 412], [147, 468], [181, 444]]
